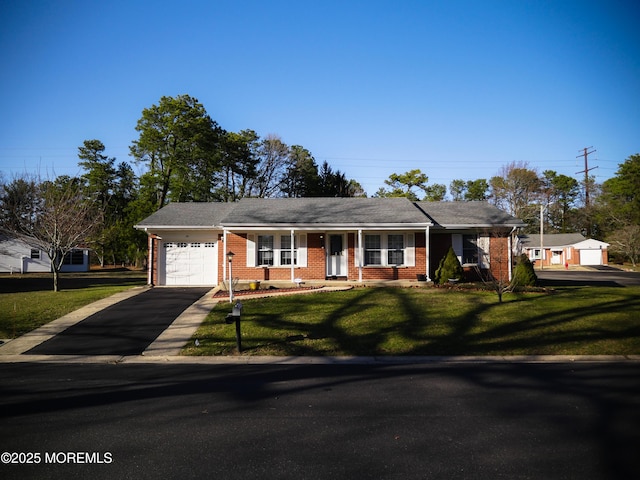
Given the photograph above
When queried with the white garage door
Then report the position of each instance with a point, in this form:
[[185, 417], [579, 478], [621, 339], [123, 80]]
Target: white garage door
[[591, 257], [189, 263]]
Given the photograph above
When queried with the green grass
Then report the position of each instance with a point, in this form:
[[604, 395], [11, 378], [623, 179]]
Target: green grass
[[28, 301], [431, 321]]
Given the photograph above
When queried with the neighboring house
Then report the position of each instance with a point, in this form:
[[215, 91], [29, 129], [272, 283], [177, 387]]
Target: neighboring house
[[564, 249], [18, 256], [355, 239]]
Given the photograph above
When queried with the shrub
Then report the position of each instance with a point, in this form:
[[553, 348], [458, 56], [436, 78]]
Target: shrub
[[449, 267], [524, 274]]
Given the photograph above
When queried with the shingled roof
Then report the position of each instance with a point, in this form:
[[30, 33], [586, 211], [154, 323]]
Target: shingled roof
[[188, 215], [551, 239], [329, 213], [325, 211], [467, 214]]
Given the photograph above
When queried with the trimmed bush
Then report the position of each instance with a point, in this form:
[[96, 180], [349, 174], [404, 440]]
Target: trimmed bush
[[449, 268], [524, 275]]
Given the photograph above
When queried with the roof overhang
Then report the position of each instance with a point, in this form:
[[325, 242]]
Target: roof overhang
[[475, 226], [327, 226], [148, 228]]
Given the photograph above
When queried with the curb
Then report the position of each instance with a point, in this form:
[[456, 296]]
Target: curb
[[344, 360]]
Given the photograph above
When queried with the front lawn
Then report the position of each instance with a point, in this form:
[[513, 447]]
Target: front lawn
[[430, 321], [28, 301]]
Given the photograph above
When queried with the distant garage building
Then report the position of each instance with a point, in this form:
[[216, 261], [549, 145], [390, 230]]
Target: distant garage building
[[564, 249]]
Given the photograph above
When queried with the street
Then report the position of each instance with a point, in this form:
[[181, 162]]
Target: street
[[603, 276], [435, 420]]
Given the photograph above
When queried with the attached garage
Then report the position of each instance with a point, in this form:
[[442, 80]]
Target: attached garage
[[188, 263]]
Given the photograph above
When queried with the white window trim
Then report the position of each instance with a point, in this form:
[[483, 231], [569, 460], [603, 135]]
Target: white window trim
[[483, 244], [299, 253], [408, 250]]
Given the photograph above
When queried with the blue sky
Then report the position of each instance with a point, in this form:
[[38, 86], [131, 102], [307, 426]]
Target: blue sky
[[455, 88]]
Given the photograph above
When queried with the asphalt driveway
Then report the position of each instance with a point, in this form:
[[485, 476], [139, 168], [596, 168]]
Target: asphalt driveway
[[126, 328]]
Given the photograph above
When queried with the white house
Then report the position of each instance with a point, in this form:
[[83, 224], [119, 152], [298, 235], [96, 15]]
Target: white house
[[17, 256]]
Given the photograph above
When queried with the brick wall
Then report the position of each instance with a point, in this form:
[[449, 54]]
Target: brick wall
[[499, 257], [153, 253], [316, 261]]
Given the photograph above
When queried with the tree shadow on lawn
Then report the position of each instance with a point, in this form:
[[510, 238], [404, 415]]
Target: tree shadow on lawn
[[36, 282], [423, 331]]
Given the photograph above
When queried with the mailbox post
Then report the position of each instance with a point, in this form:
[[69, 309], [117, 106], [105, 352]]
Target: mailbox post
[[232, 317]]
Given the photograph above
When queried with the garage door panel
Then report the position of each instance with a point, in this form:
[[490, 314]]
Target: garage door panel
[[590, 257], [189, 263]]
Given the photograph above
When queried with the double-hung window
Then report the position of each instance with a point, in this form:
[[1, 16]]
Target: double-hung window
[[277, 249], [395, 249], [469, 249], [372, 250], [388, 249], [288, 255], [265, 250]]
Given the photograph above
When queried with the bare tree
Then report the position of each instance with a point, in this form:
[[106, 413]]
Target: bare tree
[[515, 188], [55, 218], [626, 242], [495, 268]]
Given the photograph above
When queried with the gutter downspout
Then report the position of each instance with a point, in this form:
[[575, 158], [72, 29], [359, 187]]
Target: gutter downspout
[[511, 253], [224, 259]]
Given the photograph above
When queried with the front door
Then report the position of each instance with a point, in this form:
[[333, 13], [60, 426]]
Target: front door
[[336, 256]]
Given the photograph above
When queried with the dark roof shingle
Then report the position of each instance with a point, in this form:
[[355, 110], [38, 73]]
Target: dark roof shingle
[[324, 211], [448, 214], [327, 212], [190, 214]]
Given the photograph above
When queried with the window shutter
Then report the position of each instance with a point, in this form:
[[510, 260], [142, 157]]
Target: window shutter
[[484, 243], [410, 251], [302, 250], [456, 243], [251, 250]]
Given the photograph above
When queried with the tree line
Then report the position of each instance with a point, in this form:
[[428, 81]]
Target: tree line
[[186, 156]]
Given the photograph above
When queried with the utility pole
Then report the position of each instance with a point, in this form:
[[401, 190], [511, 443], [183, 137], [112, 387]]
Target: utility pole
[[585, 153]]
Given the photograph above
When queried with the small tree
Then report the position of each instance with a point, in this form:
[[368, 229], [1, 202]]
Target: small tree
[[449, 268], [497, 275], [524, 275]]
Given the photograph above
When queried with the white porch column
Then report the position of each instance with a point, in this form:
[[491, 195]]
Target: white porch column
[[428, 256], [293, 267], [510, 243], [224, 255], [360, 255]]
